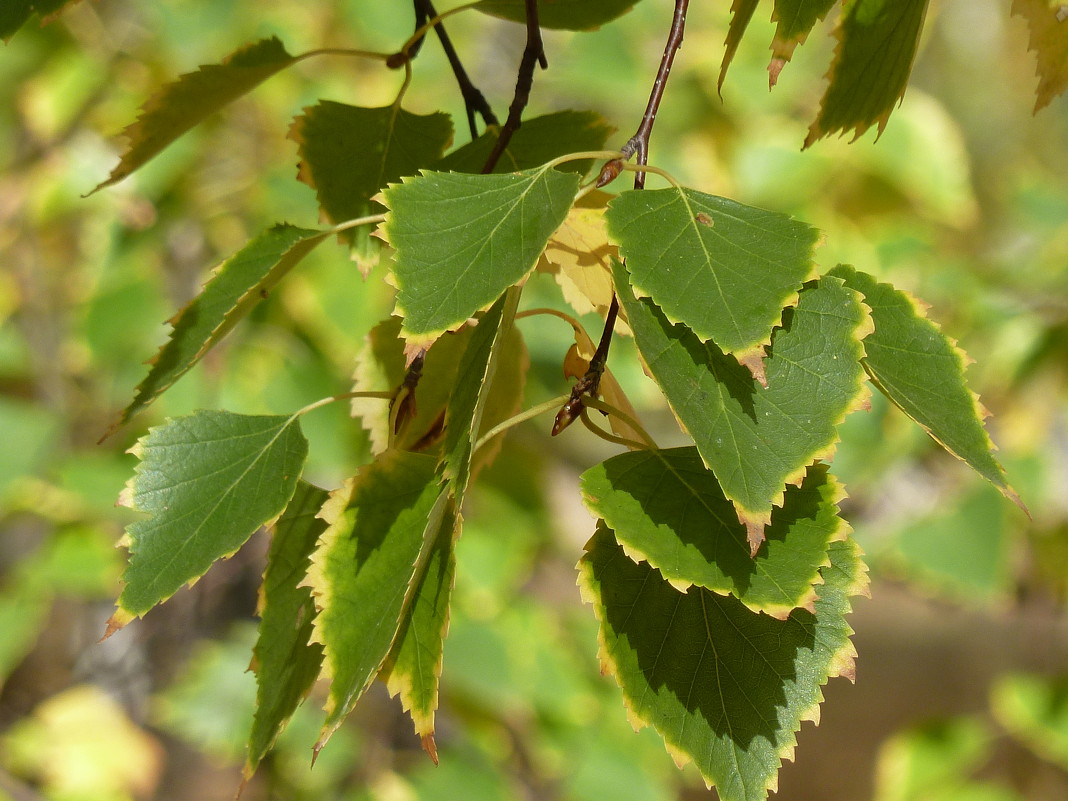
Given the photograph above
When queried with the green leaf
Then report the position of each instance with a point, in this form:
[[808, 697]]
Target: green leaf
[[666, 508], [757, 439], [921, 370], [723, 269], [538, 141], [741, 14], [1047, 25], [726, 687], [207, 481], [14, 13], [286, 662], [461, 240], [877, 42], [181, 105], [795, 19], [933, 761], [1034, 709], [239, 283], [381, 523], [348, 154], [568, 15]]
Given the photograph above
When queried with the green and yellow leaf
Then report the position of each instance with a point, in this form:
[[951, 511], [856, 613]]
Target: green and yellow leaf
[[795, 20], [1047, 24], [741, 14], [15, 13]]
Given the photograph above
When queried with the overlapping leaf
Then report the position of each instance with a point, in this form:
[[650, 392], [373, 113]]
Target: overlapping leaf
[[723, 269], [570, 15], [14, 13], [921, 370], [877, 43], [181, 105], [239, 283], [207, 481], [1047, 24], [348, 153], [666, 508], [462, 240], [758, 439], [286, 662], [726, 687], [579, 255], [795, 20], [363, 568], [741, 14]]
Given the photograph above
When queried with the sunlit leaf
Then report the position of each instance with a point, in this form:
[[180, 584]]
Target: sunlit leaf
[[726, 687], [723, 269], [207, 481], [579, 256], [239, 283], [877, 42], [286, 662], [1047, 24], [14, 13], [1034, 709], [181, 105], [741, 14], [461, 240], [570, 15], [795, 20], [758, 439], [666, 508]]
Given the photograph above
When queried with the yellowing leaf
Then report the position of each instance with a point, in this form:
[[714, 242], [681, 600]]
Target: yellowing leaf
[[1048, 26], [579, 256], [795, 19]]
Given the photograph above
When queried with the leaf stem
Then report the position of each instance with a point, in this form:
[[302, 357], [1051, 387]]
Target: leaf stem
[[522, 417], [341, 51], [607, 408], [600, 432], [373, 219], [343, 396], [405, 52]]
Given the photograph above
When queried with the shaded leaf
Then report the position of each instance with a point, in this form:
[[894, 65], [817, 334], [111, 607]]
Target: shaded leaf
[[239, 283], [795, 20], [207, 481], [348, 154], [727, 688], [569, 15], [921, 370], [723, 269], [741, 14], [286, 662], [755, 439], [877, 42], [609, 389], [666, 508], [1047, 24], [14, 13], [461, 240], [181, 105]]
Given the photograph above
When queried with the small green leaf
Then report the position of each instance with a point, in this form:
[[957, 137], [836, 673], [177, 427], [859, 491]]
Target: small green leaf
[[239, 283], [727, 688], [286, 662], [723, 269], [14, 13], [1047, 24], [741, 14], [568, 15], [461, 240], [758, 439], [181, 105], [666, 508], [348, 154], [795, 20], [208, 481], [877, 42], [1034, 710], [921, 370]]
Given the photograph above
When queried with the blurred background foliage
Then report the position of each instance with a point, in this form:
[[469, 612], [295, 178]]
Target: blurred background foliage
[[961, 689]]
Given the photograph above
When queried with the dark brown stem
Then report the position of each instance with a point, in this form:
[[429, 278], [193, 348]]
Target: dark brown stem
[[533, 54]]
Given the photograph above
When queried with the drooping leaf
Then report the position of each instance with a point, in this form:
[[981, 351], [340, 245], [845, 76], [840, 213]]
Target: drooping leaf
[[1034, 710], [726, 687], [181, 105], [795, 20], [348, 154], [462, 240], [758, 439], [723, 269], [14, 13], [666, 508], [568, 15], [877, 43], [921, 370], [579, 256], [363, 568], [239, 283], [538, 141], [1047, 24], [286, 662], [207, 481], [741, 14]]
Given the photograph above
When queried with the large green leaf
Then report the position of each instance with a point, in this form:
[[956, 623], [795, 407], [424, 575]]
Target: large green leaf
[[795, 20], [726, 687], [741, 14], [239, 283], [921, 370], [364, 566], [757, 439], [348, 153], [1047, 25], [877, 42], [286, 662], [14, 13], [570, 15], [208, 481], [723, 269], [181, 105], [666, 508], [461, 240]]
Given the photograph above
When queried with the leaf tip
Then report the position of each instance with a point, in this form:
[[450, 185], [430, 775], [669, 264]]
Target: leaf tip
[[430, 747], [117, 621]]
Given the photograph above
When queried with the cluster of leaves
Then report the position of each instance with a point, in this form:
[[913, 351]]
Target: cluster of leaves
[[721, 573]]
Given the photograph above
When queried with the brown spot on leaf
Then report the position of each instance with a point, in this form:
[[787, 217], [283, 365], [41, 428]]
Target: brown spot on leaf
[[704, 219]]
